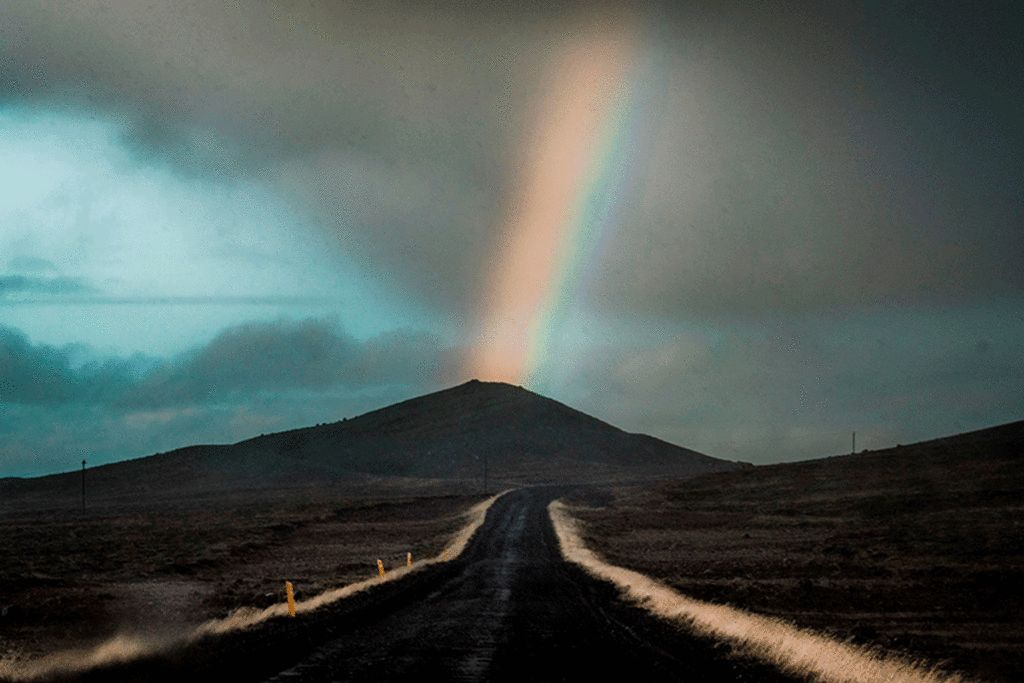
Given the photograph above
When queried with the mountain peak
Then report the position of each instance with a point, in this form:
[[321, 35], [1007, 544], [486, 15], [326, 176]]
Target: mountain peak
[[519, 436], [524, 436]]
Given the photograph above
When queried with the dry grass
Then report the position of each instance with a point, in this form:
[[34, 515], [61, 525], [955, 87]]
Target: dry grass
[[125, 647], [127, 577], [795, 651], [915, 553]]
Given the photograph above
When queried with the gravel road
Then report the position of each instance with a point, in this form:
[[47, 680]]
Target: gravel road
[[508, 608]]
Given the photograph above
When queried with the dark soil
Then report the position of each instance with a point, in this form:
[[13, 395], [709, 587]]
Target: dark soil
[[917, 549], [70, 580], [508, 608]]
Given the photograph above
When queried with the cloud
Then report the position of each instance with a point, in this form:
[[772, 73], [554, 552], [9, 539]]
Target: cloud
[[409, 357], [44, 439], [788, 389], [312, 355], [256, 358], [779, 163], [31, 264], [249, 358], [32, 374], [251, 378], [11, 284], [46, 375], [765, 184], [350, 111]]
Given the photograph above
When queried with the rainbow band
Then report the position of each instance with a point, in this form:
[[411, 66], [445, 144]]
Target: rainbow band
[[588, 219], [564, 196]]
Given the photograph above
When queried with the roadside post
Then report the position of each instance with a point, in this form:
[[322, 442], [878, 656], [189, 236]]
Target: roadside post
[[291, 598]]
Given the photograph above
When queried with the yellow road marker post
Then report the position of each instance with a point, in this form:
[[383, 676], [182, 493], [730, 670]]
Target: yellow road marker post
[[408, 559], [380, 566], [291, 597]]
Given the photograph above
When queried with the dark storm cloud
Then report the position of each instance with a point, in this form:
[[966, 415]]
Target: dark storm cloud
[[390, 122], [10, 284], [46, 375], [60, 405], [44, 439], [32, 374], [409, 357], [313, 355], [779, 389], [30, 264], [799, 165], [789, 157], [174, 300]]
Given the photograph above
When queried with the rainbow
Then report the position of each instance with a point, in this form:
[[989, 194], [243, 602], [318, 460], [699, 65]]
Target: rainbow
[[566, 185]]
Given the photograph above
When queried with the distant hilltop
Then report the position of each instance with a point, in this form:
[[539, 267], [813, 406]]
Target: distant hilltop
[[517, 436]]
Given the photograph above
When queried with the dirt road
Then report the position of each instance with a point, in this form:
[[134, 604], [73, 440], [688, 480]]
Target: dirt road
[[508, 608]]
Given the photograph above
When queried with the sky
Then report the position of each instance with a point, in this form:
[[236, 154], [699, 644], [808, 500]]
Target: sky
[[749, 229]]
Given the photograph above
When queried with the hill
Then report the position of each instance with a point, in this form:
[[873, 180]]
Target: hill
[[519, 436]]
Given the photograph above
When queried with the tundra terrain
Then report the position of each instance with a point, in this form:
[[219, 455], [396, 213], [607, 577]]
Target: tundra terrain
[[180, 537], [916, 549], [72, 579]]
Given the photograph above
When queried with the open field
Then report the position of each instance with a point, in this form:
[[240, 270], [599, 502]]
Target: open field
[[177, 538], [70, 579], [918, 550]]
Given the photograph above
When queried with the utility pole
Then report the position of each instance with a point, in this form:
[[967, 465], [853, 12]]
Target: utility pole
[[854, 450], [83, 486]]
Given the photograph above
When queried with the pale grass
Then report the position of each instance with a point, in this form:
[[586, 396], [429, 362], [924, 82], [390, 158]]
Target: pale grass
[[798, 651], [125, 647]]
